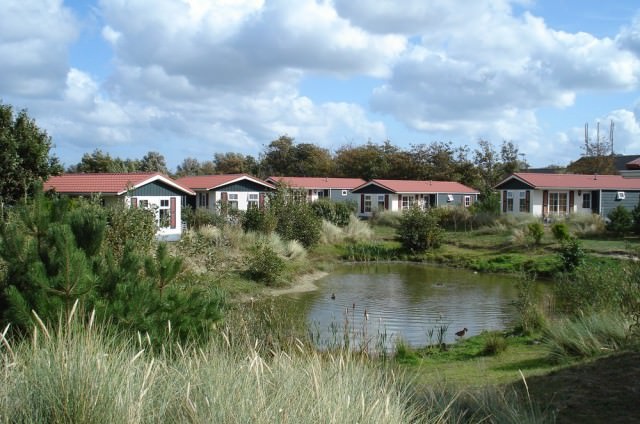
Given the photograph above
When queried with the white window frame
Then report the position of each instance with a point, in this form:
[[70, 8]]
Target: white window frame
[[509, 201], [202, 199], [554, 209], [522, 202], [467, 201], [164, 213], [367, 203], [232, 200], [345, 192], [253, 200], [407, 201], [586, 200], [143, 204], [450, 198], [380, 204], [621, 195]]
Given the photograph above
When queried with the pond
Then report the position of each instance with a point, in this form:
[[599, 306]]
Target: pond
[[374, 305]]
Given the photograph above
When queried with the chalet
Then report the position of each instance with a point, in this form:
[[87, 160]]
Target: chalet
[[398, 195], [154, 191], [236, 191], [548, 195], [314, 188]]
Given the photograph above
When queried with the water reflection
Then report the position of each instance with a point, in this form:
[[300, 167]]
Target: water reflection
[[410, 301]]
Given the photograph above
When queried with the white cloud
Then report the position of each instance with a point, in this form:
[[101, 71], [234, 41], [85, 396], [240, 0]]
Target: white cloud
[[34, 39]]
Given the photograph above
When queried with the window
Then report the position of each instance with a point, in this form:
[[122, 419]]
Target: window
[[523, 207], [164, 214], [202, 199], [509, 201], [467, 201], [558, 203], [407, 202], [586, 200], [620, 195], [367, 203], [381, 202], [345, 192], [143, 204], [252, 200], [233, 200], [320, 194]]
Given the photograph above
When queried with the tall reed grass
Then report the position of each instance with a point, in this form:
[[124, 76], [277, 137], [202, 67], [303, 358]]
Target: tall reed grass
[[87, 375], [587, 336]]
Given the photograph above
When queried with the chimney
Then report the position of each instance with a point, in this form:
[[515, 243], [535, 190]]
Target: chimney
[[595, 176]]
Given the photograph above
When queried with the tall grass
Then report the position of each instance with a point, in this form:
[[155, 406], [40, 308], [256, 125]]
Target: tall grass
[[355, 231], [587, 336], [87, 375]]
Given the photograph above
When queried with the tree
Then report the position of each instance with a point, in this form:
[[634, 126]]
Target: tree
[[153, 162], [192, 166], [234, 163], [284, 157], [419, 230], [25, 159], [99, 162]]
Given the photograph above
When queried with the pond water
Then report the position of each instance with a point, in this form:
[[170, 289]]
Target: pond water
[[376, 304]]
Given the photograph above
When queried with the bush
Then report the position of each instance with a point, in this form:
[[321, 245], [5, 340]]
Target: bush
[[535, 230], [494, 344], [620, 221], [295, 220], [586, 224], [199, 217], [387, 218], [259, 219], [571, 255], [337, 213], [560, 231], [264, 264], [419, 230]]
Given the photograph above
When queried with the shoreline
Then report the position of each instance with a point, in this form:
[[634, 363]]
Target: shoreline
[[305, 283]]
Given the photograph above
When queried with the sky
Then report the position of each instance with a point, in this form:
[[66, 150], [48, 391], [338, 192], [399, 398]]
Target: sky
[[191, 78]]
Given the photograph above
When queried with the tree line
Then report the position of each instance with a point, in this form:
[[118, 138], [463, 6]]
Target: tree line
[[480, 168]]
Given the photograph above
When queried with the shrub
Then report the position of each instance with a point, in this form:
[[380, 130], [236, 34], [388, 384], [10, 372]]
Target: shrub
[[331, 233], [199, 217], [586, 224], [419, 230], [571, 254], [337, 213], [259, 219], [387, 218], [494, 344], [560, 231], [295, 220], [620, 221], [358, 230], [264, 264], [535, 230], [130, 225], [592, 287]]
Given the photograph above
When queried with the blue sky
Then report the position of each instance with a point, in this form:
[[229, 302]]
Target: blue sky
[[191, 78]]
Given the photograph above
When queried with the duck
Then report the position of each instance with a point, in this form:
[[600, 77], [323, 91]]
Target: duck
[[333, 296], [462, 332]]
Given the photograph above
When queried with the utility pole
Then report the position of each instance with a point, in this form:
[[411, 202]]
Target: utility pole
[[611, 135]]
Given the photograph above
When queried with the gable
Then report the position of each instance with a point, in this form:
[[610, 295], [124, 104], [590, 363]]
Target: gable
[[373, 189], [157, 188], [243, 185], [514, 184]]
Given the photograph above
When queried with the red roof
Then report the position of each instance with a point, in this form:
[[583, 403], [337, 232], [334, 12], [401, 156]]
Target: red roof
[[319, 182], [414, 186], [576, 181], [209, 182], [106, 183]]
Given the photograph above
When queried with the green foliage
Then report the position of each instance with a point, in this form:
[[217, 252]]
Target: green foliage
[[635, 217], [572, 255], [560, 231], [620, 221], [535, 230], [130, 225], [337, 213], [419, 230], [261, 220], [592, 287], [530, 317], [54, 257], [295, 220], [587, 336], [198, 217], [494, 344], [25, 158], [488, 204], [264, 264]]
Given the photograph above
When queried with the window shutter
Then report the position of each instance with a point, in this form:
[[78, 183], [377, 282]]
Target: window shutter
[[134, 202], [504, 201], [362, 203], [545, 202], [223, 197], [172, 211], [261, 201], [571, 200], [386, 202], [527, 201]]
